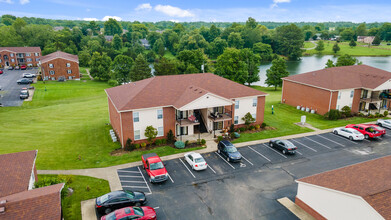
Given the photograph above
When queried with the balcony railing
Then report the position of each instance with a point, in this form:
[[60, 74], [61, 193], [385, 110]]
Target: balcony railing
[[216, 116]]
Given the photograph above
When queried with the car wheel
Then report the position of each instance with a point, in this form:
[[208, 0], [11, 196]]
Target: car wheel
[[228, 159], [335, 132], [137, 204], [218, 151], [382, 135], [107, 211], [284, 151], [380, 125], [366, 136], [271, 144], [350, 138]]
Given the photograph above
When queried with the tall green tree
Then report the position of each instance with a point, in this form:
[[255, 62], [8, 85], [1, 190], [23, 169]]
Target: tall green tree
[[84, 58], [253, 61], [330, 64], [320, 46], [117, 42], [376, 41], [265, 51], [100, 66], [361, 30], [336, 47], [347, 60], [352, 43], [276, 72], [122, 66], [158, 47], [194, 58], [140, 70], [235, 40], [166, 67], [347, 34], [150, 133], [289, 41], [112, 27], [94, 27], [217, 47], [231, 66], [153, 37]]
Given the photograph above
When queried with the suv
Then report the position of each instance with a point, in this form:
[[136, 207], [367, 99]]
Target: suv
[[154, 167], [28, 75], [24, 94], [368, 130], [229, 151]]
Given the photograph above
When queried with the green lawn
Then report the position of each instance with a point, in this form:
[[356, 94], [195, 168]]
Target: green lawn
[[71, 206], [285, 116], [84, 73], [308, 44], [68, 123], [346, 49], [169, 55]]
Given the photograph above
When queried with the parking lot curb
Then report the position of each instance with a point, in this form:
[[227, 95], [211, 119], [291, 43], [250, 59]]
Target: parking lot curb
[[88, 209], [295, 209]]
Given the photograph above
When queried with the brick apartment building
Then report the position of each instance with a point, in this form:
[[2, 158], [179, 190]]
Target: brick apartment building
[[16, 56], [60, 65], [360, 87], [188, 105]]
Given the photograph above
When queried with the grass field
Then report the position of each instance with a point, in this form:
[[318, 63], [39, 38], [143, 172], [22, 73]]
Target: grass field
[[71, 207], [285, 116], [308, 44], [68, 123], [346, 49]]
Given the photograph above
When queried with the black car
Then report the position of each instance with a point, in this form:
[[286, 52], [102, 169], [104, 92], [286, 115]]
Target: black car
[[10, 68], [286, 147], [119, 199], [24, 94], [229, 151], [24, 81]]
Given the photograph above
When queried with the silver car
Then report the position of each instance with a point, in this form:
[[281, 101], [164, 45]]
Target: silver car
[[384, 123]]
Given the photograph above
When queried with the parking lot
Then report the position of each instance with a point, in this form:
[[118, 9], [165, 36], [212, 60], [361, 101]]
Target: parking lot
[[10, 90], [249, 189]]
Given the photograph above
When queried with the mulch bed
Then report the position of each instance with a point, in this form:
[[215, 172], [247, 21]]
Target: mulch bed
[[121, 151]]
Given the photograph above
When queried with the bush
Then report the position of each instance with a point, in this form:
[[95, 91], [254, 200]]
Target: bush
[[143, 145], [232, 135], [219, 138], [346, 111], [179, 144], [158, 142], [385, 113], [361, 114], [251, 127], [163, 141], [170, 137], [203, 141], [377, 115], [370, 116], [128, 145], [257, 126], [187, 142], [263, 125], [232, 128], [237, 135], [137, 146], [242, 129], [333, 114], [112, 82]]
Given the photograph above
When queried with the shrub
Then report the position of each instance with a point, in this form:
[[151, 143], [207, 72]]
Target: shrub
[[370, 116], [112, 82], [385, 113], [361, 114], [232, 128], [251, 127], [237, 135], [242, 129], [170, 137], [199, 141], [150, 133], [203, 141], [158, 142], [163, 141], [128, 145], [248, 118], [143, 145], [219, 138], [187, 142], [377, 115], [333, 114], [346, 111], [263, 125], [232, 135], [179, 144], [137, 146], [257, 126]]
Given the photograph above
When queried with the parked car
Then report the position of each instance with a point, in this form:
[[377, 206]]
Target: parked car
[[24, 94], [229, 151], [350, 133], [10, 68], [384, 123], [285, 146], [28, 75], [368, 130], [119, 199], [154, 167], [23, 67], [1, 71], [24, 81], [17, 67], [196, 161], [139, 213]]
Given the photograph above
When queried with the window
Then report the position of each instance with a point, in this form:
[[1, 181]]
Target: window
[[51, 65], [236, 104], [337, 107], [254, 116], [339, 95], [218, 125], [37, 59], [159, 114], [255, 101], [68, 64], [236, 120], [28, 54], [51, 72], [69, 71], [12, 55], [36, 54], [12, 60], [181, 114], [0, 60], [184, 130], [70, 77], [53, 78], [351, 94], [136, 117], [29, 59], [137, 135], [160, 131]]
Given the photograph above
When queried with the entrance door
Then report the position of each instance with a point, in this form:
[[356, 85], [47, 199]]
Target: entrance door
[[7, 63]]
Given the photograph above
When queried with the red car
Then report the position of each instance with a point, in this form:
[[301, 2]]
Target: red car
[[23, 67], [154, 167], [1, 72], [139, 213], [369, 130]]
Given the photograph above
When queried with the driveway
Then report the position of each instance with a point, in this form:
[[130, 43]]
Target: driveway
[[10, 90]]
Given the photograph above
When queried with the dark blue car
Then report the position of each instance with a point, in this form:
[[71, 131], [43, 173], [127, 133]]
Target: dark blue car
[[228, 151]]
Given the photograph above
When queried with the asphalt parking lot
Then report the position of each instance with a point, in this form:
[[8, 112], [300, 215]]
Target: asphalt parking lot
[[10, 90], [249, 189]]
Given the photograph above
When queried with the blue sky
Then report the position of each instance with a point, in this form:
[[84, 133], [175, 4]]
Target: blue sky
[[203, 10]]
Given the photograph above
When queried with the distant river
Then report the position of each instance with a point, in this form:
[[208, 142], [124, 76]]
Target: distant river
[[316, 62]]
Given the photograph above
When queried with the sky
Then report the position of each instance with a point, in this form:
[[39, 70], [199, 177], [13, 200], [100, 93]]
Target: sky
[[203, 10]]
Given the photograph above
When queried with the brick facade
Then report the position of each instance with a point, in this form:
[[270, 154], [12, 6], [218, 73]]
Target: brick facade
[[260, 109], [60, 68], [309, 210], [127, 127], [114, 119], [169, 120], [356, 100], [19, 58]]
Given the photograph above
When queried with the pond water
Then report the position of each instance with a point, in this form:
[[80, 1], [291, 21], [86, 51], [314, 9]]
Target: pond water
[[316, 62]]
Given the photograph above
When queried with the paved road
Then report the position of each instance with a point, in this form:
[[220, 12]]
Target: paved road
[[250, 189], [315, 44], [10, 90]]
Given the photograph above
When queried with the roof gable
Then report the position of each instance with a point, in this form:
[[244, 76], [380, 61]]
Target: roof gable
[[60, 55], [21, 49], [207, 100]]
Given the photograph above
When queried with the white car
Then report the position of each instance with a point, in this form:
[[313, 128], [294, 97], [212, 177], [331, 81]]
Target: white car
[[384, 123], [196, 161], [28, 75], [350, 133]]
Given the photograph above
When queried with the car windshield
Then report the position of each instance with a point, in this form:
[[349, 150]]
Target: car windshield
[[356, 132], [199, 160], [138, 211], [111, 216], [288, 144], [156, 166], [129, 194], [23, 92], [231, 149], [103, 199]]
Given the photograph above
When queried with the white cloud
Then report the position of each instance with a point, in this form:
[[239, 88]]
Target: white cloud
[[6, 1], [175, 21], [23, 2], [105, 18], [276, 2], [173, 11], [88, 10], [90, 19], [145, 6]]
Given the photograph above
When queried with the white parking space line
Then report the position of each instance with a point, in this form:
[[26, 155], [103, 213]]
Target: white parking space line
[[317, 142], [129, 176], [225, 160], [187, 168], [156, 207], [170, 177], [210, 167], [299, 152], [260, 154], [127, 171], [346, 139], [146, 183], [141, 187], [304, 145], [247, 161], [367, 140], [131, 181], [331, 140], [275, 151]]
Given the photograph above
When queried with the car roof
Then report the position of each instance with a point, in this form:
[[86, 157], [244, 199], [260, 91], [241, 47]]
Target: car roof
[[226, 143], [195, 155]]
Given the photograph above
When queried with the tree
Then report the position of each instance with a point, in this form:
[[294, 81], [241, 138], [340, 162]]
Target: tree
[[213, 33], [320, 46], [153, 37], [18, 24], [117, 42], [170, 39], [94, 27], [330, 64], [235, 40], [376, 41], [170, 137], [150, 133], [276, 72], [336, 48], [289, 41], [248, 119], [217, 47], [166, 67], [230, 65], [112, 27], [100, 66], [347, 34], [140, 70], [265, 51], [121, 66], [361, 30], [196, 58], [252, 61], [347, 60], [84, 58], [352, 43], [158, 47]]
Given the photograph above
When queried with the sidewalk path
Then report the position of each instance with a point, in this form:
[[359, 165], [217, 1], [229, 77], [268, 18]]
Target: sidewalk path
[[315, 44], [89, 75]]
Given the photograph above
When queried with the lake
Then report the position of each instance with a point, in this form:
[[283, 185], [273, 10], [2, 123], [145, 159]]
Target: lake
[[316, 62]]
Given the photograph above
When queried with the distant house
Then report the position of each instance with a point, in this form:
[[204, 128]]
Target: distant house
[[18, 198], [365, 39], [145, 43], [16, 56], [60, 66], [360, 191], [109, 38], [159, 31], [58, 28]]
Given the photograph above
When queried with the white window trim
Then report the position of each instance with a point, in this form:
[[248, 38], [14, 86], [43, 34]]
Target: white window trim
[[69, 71], [138, 117], [157, 112], [162, 134], [236, 120], [51, 65], [237, 105], [68, 64], [255, 102], [139, 135], [51, 72]]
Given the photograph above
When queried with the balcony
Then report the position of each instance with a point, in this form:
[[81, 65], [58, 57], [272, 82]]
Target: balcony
[[216, 116], [191, 120]]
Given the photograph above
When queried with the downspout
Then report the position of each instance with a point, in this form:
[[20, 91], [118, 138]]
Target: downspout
[[282, 94], [122, 135], [331, 96]]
